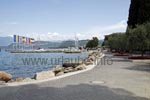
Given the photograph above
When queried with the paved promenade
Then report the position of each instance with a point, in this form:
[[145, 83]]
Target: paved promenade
[[123, 80]]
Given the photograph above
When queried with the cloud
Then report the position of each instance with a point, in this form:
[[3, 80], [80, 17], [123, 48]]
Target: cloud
[[54, 36], [59, 36], [50, 36], [101, 31], [95, 31]]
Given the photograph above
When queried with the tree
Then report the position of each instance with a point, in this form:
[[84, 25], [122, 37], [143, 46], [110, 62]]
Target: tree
[[147, 26], [139, 12], [116, 41], [95, 41], [133, 12], [139, 38], [138, 30], [92, 43]]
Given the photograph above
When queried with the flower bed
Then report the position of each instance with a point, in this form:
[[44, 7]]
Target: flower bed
[[121, 54], [139, 57]]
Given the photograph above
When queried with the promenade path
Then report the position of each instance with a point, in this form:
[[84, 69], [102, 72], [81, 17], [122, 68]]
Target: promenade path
[[123, 80]]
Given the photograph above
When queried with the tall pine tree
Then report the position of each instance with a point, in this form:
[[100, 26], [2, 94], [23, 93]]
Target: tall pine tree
[[139, 12]]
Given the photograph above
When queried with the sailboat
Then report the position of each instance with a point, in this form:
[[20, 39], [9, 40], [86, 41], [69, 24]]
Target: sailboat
[[76, 48]]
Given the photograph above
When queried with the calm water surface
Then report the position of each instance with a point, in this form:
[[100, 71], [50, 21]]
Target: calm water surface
[[27, 64]]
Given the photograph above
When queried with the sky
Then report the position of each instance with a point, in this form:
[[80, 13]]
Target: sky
[[53, 20]]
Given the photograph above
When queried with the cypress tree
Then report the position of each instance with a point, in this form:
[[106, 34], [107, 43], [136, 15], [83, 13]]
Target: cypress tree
[[139, 12], [133, 12]]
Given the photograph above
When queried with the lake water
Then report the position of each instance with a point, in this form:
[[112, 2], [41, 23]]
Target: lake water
[[27, 64]]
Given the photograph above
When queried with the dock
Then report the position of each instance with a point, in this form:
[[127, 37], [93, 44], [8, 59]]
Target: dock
[[44, 51]]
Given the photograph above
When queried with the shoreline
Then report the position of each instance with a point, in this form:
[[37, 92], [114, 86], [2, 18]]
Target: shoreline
[[88, 68]]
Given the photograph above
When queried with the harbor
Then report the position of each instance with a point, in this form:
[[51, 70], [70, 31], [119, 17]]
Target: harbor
[[46, 51]]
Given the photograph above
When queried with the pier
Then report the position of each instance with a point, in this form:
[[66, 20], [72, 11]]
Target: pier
[[44, 51]]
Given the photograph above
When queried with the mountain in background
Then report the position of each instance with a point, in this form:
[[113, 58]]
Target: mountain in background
[[5, 41], [71, 43], [47, 44]]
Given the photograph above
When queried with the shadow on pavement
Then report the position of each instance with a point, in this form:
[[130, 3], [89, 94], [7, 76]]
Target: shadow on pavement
[[118, 58], [69, 92], [140, 67]]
